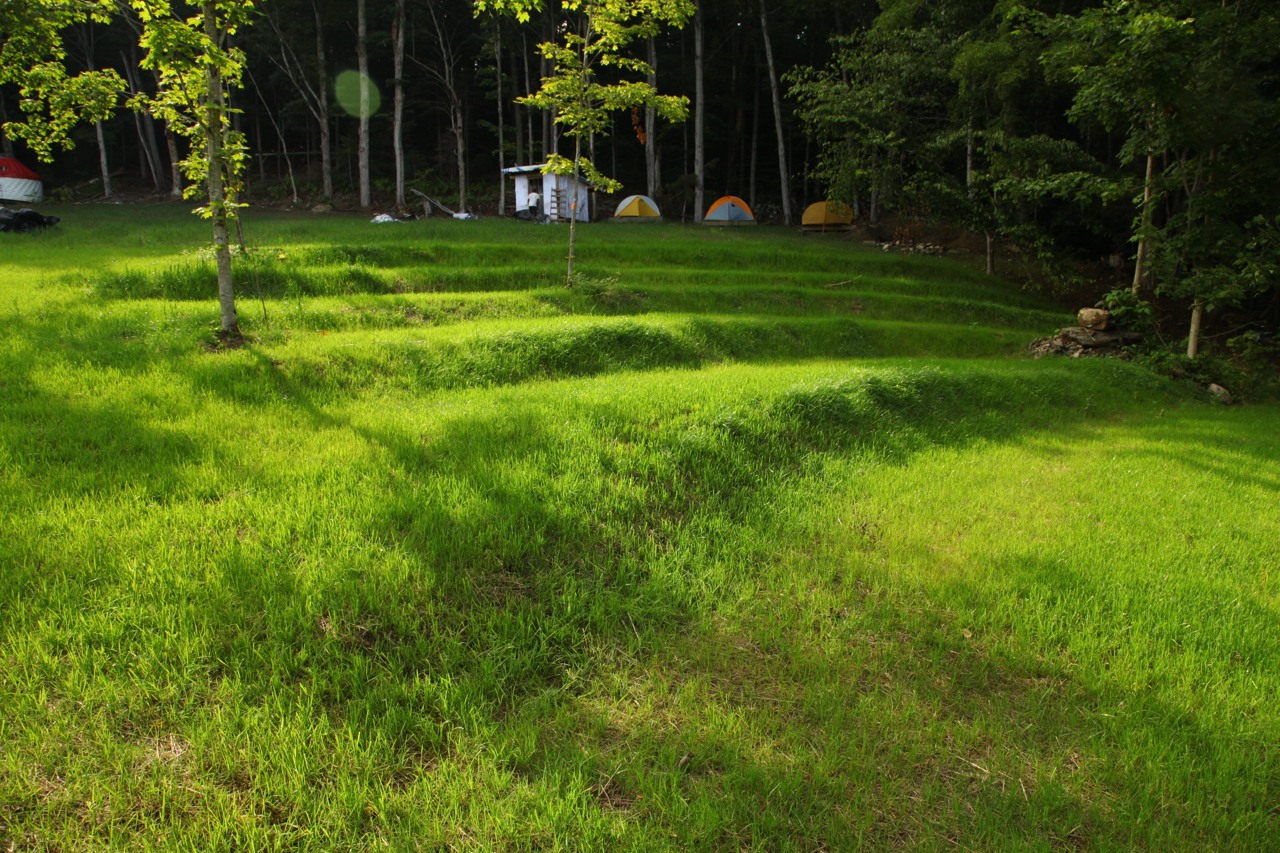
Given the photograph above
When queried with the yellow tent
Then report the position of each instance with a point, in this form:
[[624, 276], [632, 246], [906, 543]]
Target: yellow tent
[[638, 208], [827, 216]]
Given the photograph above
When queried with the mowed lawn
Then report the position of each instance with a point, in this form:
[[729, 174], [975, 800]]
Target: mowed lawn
[[747, 542]]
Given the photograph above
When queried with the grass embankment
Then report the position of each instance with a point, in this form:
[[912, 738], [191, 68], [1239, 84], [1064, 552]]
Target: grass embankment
[[763, 581]]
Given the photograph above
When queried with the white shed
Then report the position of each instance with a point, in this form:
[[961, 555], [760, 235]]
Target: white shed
[[558, 192]]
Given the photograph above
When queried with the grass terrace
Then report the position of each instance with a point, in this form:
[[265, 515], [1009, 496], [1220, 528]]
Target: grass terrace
[[747, 542]]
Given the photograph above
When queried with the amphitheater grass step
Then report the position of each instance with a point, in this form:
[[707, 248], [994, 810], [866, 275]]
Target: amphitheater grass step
[[679, 558]]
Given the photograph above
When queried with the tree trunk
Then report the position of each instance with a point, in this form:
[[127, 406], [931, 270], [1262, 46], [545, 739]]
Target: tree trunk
[[699, 114], [175, 168], [502, 144], [968, 161], [217, 198], [102, 160], [145, 126], [97, 126], [650, 125], [991, 253], [1140, 264], [873, 215], [573, 207], [528, 90], [362, 61], [6, 145], [459, 129], [397, 120], [755, 145], [322, 97], [1193, 340], [777, 118], [548, 122], [517, 122]]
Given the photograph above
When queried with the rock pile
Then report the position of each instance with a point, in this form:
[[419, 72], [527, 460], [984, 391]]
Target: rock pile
[[1097, 336], [908, 248]]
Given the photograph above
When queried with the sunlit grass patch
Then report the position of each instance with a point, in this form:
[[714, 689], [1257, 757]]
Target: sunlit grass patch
[[678, 558]]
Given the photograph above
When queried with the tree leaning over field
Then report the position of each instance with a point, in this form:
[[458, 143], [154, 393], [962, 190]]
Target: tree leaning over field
[[576, 97], [197, 66]]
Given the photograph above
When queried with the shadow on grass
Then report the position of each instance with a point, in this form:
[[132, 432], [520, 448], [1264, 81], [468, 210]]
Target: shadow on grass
[[540, 561]]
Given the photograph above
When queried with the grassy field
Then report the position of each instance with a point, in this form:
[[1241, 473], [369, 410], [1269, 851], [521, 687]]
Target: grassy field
[[747, 542]]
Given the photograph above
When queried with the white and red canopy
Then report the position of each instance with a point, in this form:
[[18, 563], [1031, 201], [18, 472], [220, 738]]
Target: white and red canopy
[[18, 183]]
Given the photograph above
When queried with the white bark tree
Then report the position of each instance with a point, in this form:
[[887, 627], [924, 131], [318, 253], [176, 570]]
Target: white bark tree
[[397, 121], [446, 68], [362, 63], [699, 118], [783, 174]]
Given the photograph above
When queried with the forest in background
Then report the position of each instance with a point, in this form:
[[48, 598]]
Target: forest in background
[[1128, 141]]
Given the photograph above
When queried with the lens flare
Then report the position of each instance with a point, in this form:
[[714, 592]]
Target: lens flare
[[347, 90]]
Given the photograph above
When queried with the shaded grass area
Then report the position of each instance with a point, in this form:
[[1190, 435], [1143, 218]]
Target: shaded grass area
[[830, 586], [765, 568]]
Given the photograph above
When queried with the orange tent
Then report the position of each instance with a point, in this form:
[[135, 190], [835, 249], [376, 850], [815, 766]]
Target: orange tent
[[729, 210]]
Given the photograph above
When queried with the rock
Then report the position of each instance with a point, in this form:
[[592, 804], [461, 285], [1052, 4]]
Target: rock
[[1091, 338], [1222, 395], [1094, 318], [1065, 346], [322, 208]]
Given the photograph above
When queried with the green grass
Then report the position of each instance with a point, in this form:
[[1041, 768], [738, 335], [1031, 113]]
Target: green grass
[[676, 560]]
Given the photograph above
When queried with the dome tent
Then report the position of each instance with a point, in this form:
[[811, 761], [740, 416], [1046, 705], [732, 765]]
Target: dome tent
[[827, 216], [18, 183], [637, 208], [729, 210]]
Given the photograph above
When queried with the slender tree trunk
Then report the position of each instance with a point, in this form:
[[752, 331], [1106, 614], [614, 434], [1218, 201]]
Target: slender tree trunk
[[362, 61], [699, 114], [968, 160], [650, 125], [102, 160], [549, 142], [755, 145], [146, 127], [175, 169], [6, 145], [528, 90], [573, 209], [516, 121], [459, 131], [873, 215], [1140, 264], [97, 126], [991, 252], [1193, 340], [777, 118], [322, 93], [397, 121], [217, 197], [502, 144]]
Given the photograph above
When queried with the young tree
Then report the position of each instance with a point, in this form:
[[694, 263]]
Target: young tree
[[397, 121], [699, 118], [197, 67], [578, 100], [447, 67], [31, 56], [313, 88], [362, 61], [783, 174]]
